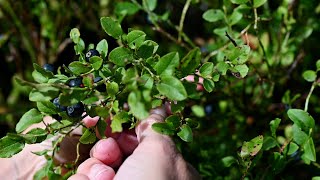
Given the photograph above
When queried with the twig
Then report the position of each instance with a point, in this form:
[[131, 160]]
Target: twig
[[232, 40], [166, 34], [169, 36], [78, 153], [309, 95], [255, 18], [183, 15], [215, 52]]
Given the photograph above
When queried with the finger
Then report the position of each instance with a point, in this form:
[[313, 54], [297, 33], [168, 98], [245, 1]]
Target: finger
[[79, 177], [127, 141], [144, 130], [108, 152], [95, 169], [90, 121]]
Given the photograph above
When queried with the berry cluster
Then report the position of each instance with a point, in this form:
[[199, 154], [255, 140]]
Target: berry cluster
[[75, 110]]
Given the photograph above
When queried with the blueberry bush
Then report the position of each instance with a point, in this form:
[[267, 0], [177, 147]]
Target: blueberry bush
[[241, 78]]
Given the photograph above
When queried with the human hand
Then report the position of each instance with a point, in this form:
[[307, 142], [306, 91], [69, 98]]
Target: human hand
[[155, 157]]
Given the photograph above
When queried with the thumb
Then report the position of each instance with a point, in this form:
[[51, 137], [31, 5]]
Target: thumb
[[144, 129]]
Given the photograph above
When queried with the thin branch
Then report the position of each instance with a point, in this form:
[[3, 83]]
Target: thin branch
[[255, 18], [215, 52], [169, 36], [309, 95], [183, 16], [232, 40]]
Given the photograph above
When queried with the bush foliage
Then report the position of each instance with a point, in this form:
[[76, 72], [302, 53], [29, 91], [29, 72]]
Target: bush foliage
[[250, 110]]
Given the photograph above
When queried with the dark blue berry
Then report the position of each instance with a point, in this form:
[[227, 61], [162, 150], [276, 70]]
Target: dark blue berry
[[57, 117], [75, 110], [208, 109], [77, 82], [97, 79], [101, 87], [91, 53], [56, 102], [49, 67]]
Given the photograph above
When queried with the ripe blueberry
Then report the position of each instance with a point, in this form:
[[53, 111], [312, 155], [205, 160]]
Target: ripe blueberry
[[75, 110], [48, 67], [58, 105], [97, 79], [77, 82], [91, 53], [208, 109], [57, 117], [101, 87]]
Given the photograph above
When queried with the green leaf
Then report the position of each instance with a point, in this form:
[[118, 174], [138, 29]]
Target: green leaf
[[172, 88], [111, 27], [242, 69], [222, 67], [309, 150], [75, 35], [258, 3], [291, 148], [221, 31], [239, 54], [137, 107], [191, 61], [79, 47], [102, 126], [274, 124], [192, 123], [36, 135], [40, 75], [118, 120], [208, 85], [228, 161], [198, 111], [88, 81], [163, 128], [185, 133], [269, 142], [31, 117], [112, 88], [43, 93], [174, 120], [252, 147], [234, 18], [121, 56], [149, 4], [206, 69], [102, 48], [10, 147], [299, 136], [302, 119], [88, 137], [135, 38], [96, 62], [47, 107], [309, 75], [126, 8], [72, 96], [147, 49], [213, 15], [167, 64], [79, 68], [239, 1], [318, 65]]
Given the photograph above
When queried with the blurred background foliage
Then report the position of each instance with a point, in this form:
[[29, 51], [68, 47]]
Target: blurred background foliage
[[284, 43]]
